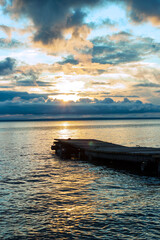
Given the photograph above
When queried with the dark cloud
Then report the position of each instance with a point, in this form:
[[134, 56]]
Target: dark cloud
[[116, 58], [76, 18], [106, 22], [50, 17], [154, 85], [85, 107], [141, 10], [27, 78], [28, 83], [30, 78], [115, 52], [106, 100], [10, 95], [69, 59], [84, 100], [7, 66], [25, 83]]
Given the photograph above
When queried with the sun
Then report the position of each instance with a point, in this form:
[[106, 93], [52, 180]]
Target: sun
[[68, 90]]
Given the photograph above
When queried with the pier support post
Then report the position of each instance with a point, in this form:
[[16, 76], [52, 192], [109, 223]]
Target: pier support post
[[144, 166]]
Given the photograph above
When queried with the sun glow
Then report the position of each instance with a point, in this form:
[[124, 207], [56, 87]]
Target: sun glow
[[70, 86], [68, 90], [66, 98]]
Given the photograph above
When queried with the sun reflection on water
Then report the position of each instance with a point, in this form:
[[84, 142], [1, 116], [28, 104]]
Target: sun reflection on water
[[64, 132]]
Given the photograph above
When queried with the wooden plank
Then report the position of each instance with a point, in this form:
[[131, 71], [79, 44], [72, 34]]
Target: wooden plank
[[91, 149]]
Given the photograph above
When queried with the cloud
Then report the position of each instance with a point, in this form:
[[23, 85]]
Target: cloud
[[32, 75], [27, 76], [85, 107], [50, 18], [114, 54], [148, 84], [5, 43], [120, 36], [72, 45], [23, 96], [7, 66], [144, 10], [69, 59], [83, 68], [29, 83], [122, 48], [52, 22], [7, 30], [105, 22]]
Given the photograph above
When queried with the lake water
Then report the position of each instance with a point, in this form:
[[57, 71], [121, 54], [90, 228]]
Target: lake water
[[44, 197]]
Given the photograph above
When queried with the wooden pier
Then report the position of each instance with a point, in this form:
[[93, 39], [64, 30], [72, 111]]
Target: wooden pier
[[144, 159]]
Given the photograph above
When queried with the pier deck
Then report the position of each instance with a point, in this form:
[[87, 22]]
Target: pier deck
[[144, 158]]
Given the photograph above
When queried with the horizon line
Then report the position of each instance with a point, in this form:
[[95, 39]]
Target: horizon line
[[78, 119]]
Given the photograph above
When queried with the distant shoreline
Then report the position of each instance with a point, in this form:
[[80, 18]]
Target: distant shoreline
[[78, 119]]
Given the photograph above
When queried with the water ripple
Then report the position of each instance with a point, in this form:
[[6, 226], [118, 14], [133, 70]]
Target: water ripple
[[44, 197]]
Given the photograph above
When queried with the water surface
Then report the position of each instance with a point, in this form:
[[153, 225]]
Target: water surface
[[44, 197]]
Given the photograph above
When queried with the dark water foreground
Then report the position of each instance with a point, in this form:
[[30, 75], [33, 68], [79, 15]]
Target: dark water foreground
[[44, 197]]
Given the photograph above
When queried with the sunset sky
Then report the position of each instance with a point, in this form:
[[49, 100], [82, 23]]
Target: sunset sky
[[79, 58]]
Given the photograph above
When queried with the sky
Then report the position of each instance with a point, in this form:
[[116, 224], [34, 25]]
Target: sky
[[79, 59]]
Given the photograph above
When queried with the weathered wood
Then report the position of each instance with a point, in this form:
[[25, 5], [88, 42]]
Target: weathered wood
[[144, 158]]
